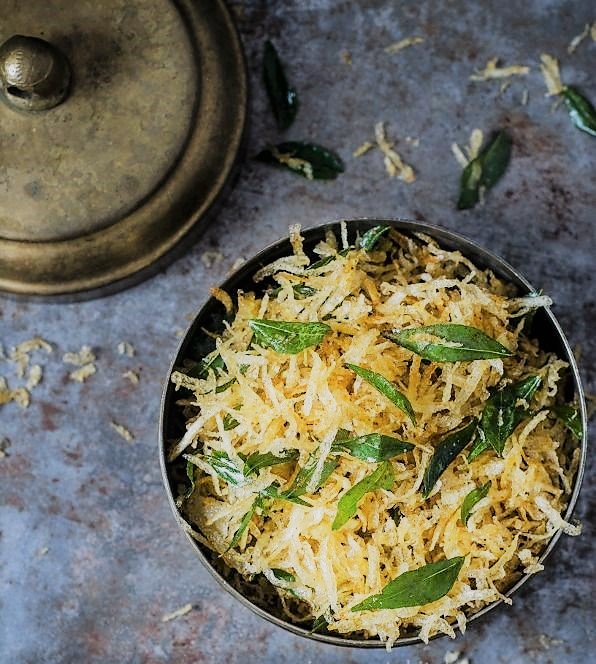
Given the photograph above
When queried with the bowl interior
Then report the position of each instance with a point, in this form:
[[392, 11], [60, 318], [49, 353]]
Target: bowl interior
[[195, 345]]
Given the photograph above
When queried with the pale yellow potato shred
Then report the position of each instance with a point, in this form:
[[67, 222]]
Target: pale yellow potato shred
[[300, 401]]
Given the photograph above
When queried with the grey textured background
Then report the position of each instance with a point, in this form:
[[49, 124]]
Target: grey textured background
[[116, 562]]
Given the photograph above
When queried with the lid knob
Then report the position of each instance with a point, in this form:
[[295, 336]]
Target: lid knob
[[34, 75]]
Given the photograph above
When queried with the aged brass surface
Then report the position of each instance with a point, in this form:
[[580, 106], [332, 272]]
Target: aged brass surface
[[34, 74], [99, 189]]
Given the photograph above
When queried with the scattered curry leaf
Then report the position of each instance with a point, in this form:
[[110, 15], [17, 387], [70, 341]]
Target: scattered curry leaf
[[207, 365], [190, 473], [312, 161], [502, 414], [570, 418], [382, 478], [372, 447], [246, 519], [222, 388], [479, 446], [463, 342], [288, 337], [229, 422], [300, 291], [283, 98], [484, 171], [304, 475], [385, 387], [445, 452], [369, 240], [258, 460], [225, 467], [327, 259], [282, 575], [319, 623], [581, 111], [415, 588], [471, 499]]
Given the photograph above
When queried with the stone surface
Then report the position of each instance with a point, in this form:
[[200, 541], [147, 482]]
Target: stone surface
[[116, 561]]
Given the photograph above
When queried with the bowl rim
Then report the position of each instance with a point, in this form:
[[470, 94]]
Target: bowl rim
[[440, 234]]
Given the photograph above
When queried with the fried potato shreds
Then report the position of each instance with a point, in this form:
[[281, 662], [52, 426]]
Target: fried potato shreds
[[493, 71], [470, 151], [550, 71], [403, 43], [282, 402], [394, 164], [122, 431], [578, 39], [178, 613], [126, 348]]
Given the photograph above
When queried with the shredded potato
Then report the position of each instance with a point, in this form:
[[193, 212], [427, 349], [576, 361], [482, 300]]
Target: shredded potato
[[298, 402]]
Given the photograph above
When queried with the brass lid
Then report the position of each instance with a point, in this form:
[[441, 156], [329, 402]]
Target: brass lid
[[146, 119]]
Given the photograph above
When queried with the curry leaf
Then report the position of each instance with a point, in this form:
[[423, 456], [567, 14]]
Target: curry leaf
[[288, 337], [190, 473], [222, 388], [471, 499], [258, 460], [372, 447], [415, 588], [502, 413], [273, 492], [312, 161], [282, 575], [369, 240], [445, 452], [300, 291], [225, 467], [305, 474], [581, 111], [479, 446], [570, 418], [327, 259], [246, 519], [385, 387], [382, 478], [207, 365], [463, 342], [319, 623], [229, 422], [484, 171], [283, 98]]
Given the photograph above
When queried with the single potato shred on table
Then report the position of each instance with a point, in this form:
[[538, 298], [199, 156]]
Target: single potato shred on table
[[375, 438]]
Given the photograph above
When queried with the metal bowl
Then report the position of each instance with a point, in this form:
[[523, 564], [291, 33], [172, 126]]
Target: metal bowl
[[545, 327]]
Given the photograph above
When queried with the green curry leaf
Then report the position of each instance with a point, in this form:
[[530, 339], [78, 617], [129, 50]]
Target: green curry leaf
[[502, 412], [475, 496], [283, 98], [288, 337], [312, 161], [385, 387], [258, 460], [581, 111], [372, 447], [225, 467], [463, 343], [485, 170], [369, 240], [302, 479], [382, 478], [570, 418], [415, 588], [445, 452]]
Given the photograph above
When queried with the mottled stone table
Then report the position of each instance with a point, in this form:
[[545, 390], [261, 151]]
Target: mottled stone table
[[115, 560]]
